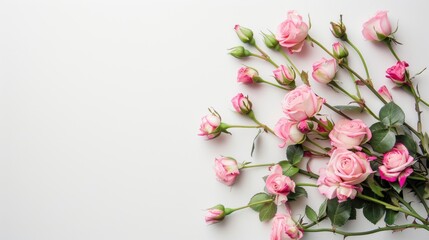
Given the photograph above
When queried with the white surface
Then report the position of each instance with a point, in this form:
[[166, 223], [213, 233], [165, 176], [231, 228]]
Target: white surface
[[100, 102]]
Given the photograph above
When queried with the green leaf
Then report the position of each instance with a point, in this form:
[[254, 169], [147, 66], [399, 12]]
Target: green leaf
[[382, 140], [358, 203], [425, 142], [304, 77], [375, 187], [299, 192], [310, 213], [322, 209], [373, 212], [390, 217], [288, 169], [254, 142], [267, 212], [295, 153], [396, 186], [393, 113], [408, 142], [339, 213], [377, 126], [348, 108], [258, 198], [353, 214]]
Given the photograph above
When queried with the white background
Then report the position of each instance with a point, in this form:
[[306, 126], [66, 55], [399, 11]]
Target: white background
[[100, 104]]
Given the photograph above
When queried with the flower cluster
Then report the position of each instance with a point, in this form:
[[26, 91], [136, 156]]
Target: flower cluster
[[367, 165]]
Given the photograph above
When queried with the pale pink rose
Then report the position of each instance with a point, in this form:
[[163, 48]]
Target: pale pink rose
[[247, 75], [396, 165], [210, 125], [279, 184], [292, 32], [349, 134], [241, 104], [396, 73], [301, 103], [284, 227], [384, 92], [226, 170], [377, 28], [215, 214], [339, 50], [324, 70], [331, 186], [284, 75], [289, 132]]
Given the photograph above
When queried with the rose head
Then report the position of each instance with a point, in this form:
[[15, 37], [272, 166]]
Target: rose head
[[301, 103], [306, 126], [339, 50], [289, 132], [279, 184], [331, 186], [210, 125], [247, 75], [284, 75], [241, 104], [324, 70], [226, 170], [349, 134], [215, 214], [396, 165], [244, 34], [396, 73], [377, 28], [292, 32], [384, 92], [284, 227]]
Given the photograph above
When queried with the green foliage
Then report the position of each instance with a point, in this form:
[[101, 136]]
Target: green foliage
[[258, 198], [288, 169], [382, 140], [311, 214], [339, 213], [295, 153], [267, 212], [299, 192], [392, 115], [373, 211]]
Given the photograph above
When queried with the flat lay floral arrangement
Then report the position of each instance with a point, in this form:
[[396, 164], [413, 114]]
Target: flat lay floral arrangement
[[376, 166]]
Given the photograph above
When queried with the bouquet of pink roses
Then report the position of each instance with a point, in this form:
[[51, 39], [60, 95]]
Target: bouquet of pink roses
[[368, 166]]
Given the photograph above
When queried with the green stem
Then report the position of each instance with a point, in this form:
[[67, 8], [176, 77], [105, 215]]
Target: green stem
[[306, 184], [337, 111], [389, 45], [355, 83], [252, 204], [361, 58], [257, 165], [407, 205], [320, 123], [282, 52], [308, 174], [315, 144], [241, 126], [314, 151], [268, 59], [320, 45], [421, 198], [252, 116], [424, 102], [272, 84], [388, 228]]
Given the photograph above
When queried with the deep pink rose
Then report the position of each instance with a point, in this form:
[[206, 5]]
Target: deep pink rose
[[289, 132], [301, 103], [279, 184], [247, 75], [396, 165], [241, 104], [215, 214], [396, 73], [349, 134], [284, 227], [331, 186], [324, 70], [384, 92], [210, 125], [306, 126], [284, 75], [226, 170], [377, 28], [292, 32], [339, 50]]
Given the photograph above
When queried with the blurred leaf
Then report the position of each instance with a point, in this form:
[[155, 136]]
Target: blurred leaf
[[358, 203], [348, 108], [258, 198], [408, 142], [382, 140], [267, 212], [288, 169], [254, 142], [353, 214], [393, 113], [310, 213], [377, 126], [375, 187], [322, 209], [390, 217], [304, 78], [339, 213], [294, 153], [396, 187], [373, 212], [299, 192]]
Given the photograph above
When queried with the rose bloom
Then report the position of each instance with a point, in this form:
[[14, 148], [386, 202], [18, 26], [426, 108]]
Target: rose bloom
[[215, 214], [396, 73], [292, 32], [226, 170], [210, 125], [301, 103], [349, 134], [284, 75], [289, 132], [284, 227], [377, 28], [247, 75], [279, 184], [241, 104], [331, 186], [384, 92], [324, 70], [396, 165]]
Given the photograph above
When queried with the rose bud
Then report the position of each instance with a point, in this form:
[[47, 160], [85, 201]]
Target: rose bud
[[239, 52], [324, 70], [384, 92], [247, 75], [291, 33], [284, 75], [339, 50], [279, 184], [397, 72], [241, 104], [284, 227], [289, 132], [396, 165], [350, 134], [211, 125], [271, 41], [306, 126], [215, 214], [301, 103], [377, 28], [339, 30], [245, 34], [226, 170]]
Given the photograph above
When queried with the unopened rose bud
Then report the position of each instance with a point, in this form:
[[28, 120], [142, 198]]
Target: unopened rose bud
[[215, 214], [397, 73], [384, 92], [284, 75], [306, 126], [211, 125], [245, 34], [247, 75], [239, 52], [241, 104], [339, 30], [226, 170], [271, 41], [339, 50], [324, 70]]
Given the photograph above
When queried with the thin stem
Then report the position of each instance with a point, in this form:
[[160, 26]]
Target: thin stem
[[337, 111], [306, 184], [356, 85], [407, 205], [315, 144], [252, 116], [424, 102], [321, 123], [282, 52], [273, 84], [314, 151], [320, 45], [242, 126], [252, 204], [308, 174], [389, 45], [388, 228], [361, 58], [421, 198], [268, 59], [257, 165]]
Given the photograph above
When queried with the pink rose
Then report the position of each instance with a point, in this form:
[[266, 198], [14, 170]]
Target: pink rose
[[284, 227], [241, 104], [331, 186], [339, 50], [279, 184], [284, 75], [384, 92], [289, 132], [210, 125], [324, 70], [306, 126], [247, 75], [351, 167], [396, 165], [292, 32], [301, 103], [226, 170], [349, 134], [377, 28], [396, 73], [215, 214]]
